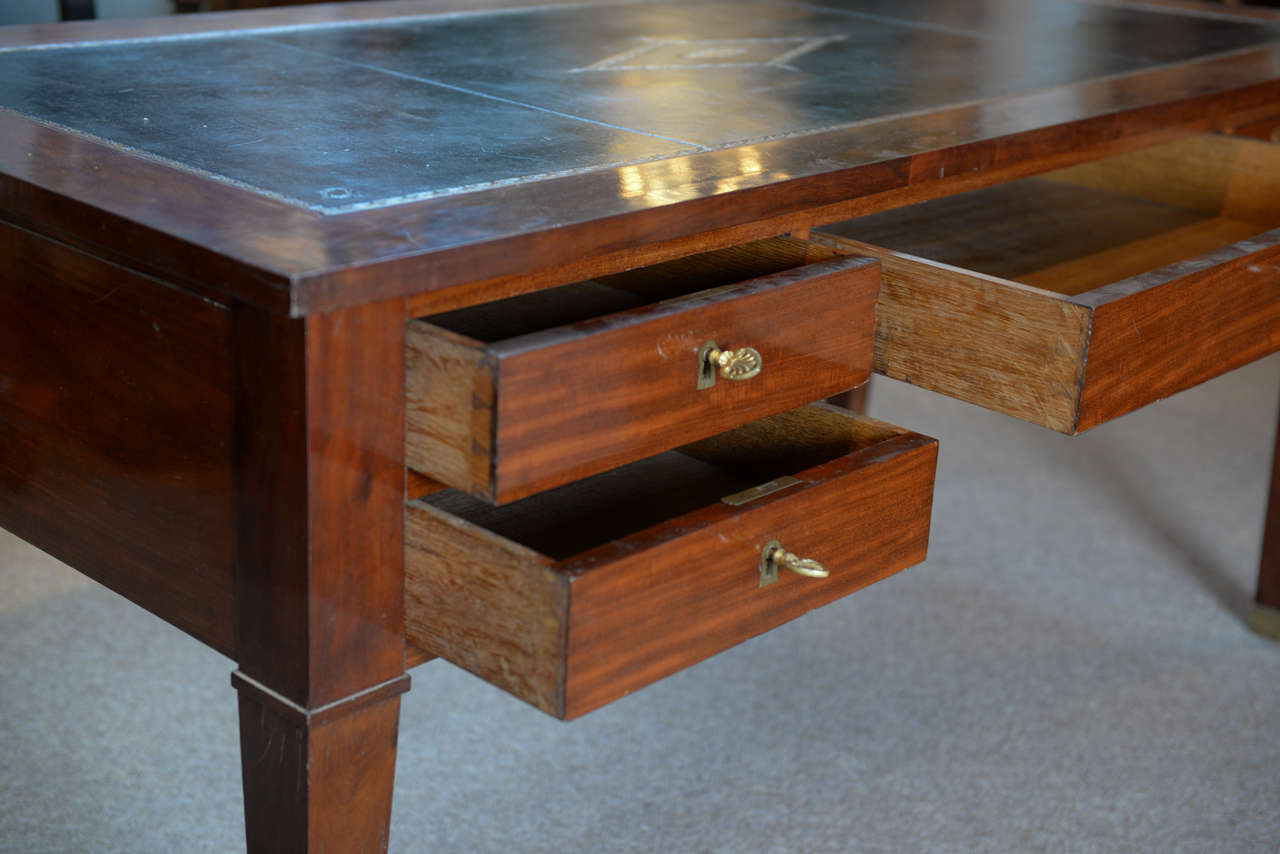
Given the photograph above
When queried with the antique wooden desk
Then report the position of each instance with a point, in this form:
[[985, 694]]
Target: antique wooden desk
[[341, 337]]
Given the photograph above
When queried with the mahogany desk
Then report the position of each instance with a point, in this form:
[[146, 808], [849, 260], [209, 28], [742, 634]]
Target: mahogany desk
[[220, 236]]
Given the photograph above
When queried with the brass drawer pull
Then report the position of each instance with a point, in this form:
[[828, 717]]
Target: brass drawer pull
[[741, 364], [774, 555]]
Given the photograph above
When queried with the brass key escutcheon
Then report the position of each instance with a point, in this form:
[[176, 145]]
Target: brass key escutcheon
[[741, 364], [774, 555]]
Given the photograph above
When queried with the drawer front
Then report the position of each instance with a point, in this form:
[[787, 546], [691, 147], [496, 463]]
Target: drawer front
[[574, 633], [1074, 298], [539, 410]]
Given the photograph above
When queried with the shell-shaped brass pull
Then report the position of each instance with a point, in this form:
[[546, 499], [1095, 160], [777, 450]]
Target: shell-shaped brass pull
[[741, 364], [774, 556]]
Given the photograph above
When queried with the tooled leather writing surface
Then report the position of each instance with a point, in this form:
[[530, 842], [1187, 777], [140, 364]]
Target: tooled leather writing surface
[[334, 156], [340, 118]]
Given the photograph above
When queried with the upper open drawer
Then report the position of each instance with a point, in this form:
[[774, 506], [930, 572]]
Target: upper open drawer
[[512, 397], [1080, 295]]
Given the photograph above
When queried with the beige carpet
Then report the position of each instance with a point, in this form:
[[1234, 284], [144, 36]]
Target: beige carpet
[[1068, 672]]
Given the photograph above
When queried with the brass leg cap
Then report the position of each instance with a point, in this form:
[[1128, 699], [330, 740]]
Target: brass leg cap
[[1265, 620]]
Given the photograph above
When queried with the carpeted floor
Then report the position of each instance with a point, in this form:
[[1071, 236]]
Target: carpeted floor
[[1069, 672]]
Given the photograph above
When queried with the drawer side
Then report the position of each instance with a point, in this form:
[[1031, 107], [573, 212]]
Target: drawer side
[[449, 408], [987, 341], [486, 604]]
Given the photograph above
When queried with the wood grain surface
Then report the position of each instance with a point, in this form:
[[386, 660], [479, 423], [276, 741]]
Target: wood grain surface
[[1267, 129], [573, 598], [1159, 334], [244, 245], [487, 604], [1269, 566], [1130, 279], [449, 398], [544, 407], [988, 341], [321, 482], [319, 573], [318, 782], [1213, 174], [216, 427], [116, 430]]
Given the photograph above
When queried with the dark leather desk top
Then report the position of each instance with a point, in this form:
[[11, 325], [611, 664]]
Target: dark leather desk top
[[340, 118], [465, 129]]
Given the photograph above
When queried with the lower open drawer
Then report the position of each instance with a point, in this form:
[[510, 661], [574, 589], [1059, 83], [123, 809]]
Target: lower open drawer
[[1080, 295], [577, 596]]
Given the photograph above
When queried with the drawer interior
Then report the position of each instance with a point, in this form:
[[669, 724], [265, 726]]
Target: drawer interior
[[580, 301], [586, 514], [1078, 229]]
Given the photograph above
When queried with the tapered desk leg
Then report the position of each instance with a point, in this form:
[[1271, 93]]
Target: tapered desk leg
[[319, 575], [1266, 612], [318, 780]]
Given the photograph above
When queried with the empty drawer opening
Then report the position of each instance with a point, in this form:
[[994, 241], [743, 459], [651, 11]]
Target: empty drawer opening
[[586, 514], [1078, 229], [581, 301]]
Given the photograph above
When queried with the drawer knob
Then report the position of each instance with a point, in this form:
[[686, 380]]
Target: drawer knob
[[741, 364], [774, 556]]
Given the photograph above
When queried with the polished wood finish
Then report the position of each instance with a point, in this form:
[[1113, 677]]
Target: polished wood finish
[[1266, 129], [251, 247], [501, 407], [615, 263], [1268, 595], [287, 423], [1175, 330], [235, 5], [1153, 272], [115, 430], [1236, 8], [319, 425], [318, 781], [576, 597]]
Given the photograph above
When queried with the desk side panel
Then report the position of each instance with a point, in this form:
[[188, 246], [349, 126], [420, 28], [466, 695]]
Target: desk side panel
[[115, 430]]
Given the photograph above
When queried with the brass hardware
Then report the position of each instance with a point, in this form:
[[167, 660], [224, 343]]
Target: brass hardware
[[1265, 621], [746, 496], [741, 364], [774, 555]]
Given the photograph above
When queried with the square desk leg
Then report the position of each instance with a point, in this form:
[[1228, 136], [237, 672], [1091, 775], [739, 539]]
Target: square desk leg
[[319, 574], [1266, 610]]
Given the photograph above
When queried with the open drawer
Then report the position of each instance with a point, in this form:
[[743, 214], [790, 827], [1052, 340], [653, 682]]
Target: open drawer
[[575, 597], [511, 397], [1080, 295]]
